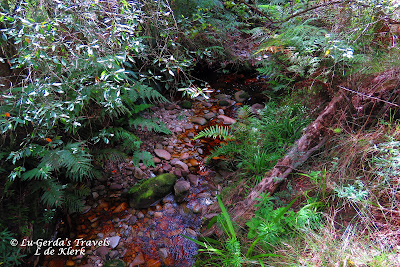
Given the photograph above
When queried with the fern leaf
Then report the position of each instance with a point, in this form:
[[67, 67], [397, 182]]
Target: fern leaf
[[145, 92], [216, 131], [153, 124], [53, 193], [39, 173], [129, 141], [143, 156]]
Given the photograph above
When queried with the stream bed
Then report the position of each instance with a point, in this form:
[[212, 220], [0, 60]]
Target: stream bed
[[111, 233]]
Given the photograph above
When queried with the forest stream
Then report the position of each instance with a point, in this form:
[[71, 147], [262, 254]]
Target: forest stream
[[109, 232]]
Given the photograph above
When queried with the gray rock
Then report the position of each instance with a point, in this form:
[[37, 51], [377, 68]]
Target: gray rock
[[138, 174], [132, 220], [159, 146], [257, 106], [226, 120], [199, 120], [193, 179], [114, 241], [115, 186], [163, 252], [161, 153], [188, 126], [95, 195], [139, 259], [190, 135], [183, 166], [181, 189], [102, 252], [178, 130], [241, 96], [200, 151], [209, 116], [221, 111]]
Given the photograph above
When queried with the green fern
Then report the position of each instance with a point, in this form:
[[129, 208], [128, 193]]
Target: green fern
[[144, 92], [143, 156], [216, 131], [130, 142], [153, 124], [73, 197], [53, 192]]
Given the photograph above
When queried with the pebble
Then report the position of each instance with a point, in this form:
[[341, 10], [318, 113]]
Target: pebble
[[115, 186], [188, 126], [184, 156], [182, 165], [200, 151], [221, 111], [114, 241], [159, 146], [199, 120], [163, 154], [95, 195], [193, 179], [139, 259], [163, 252], [227, 120]]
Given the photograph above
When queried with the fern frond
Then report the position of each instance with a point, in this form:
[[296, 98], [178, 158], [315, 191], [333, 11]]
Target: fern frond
[[153, 124], [216, 131], [42, 172], [129, 141], [110, 154], [143, 156], [53, 193], [145, 92]]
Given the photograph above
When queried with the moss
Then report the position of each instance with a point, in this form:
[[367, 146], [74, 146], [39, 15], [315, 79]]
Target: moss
[[145, 194], [186, 104], [223, 103]]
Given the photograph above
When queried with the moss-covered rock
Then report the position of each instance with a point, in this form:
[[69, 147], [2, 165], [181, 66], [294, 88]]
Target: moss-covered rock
[[186, 104], [143, 195]]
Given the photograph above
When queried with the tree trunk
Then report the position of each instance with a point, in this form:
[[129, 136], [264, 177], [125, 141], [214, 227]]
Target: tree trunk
[[313, 138]]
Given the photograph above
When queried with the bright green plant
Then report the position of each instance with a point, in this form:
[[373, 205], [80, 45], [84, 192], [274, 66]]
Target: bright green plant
[[228, 252]]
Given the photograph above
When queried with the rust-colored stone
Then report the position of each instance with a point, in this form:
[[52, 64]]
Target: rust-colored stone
[[121, 207]]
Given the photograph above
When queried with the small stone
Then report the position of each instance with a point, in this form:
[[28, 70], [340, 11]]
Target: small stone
[[163, 253], [184, 156], [70, 263], [199, 120], [241, 96], [226, 119], [139, 259], [188, 126], [255, 107], [102, 251], [156, 160], [181, 189], [200, 151], [193, 179], [114, 254], [114, 241], [121, 207], [182, 165], [95, 195], [209, 116], [86, 209], [140, 215], [170, 107], [222, 96], [159, 146], [178, 172], [190, 135], [221, 111], [223, 103], [158, 214], [191, 232], [178, 130], [138, 174], [115, 186], [161, 153], [173, 161]]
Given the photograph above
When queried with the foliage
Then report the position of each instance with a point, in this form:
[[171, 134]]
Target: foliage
[[258, 142], [227, 252], [215, 132], [9, 255]]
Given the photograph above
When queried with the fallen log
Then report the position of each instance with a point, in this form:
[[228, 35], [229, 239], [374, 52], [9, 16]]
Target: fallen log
[[314, 137]]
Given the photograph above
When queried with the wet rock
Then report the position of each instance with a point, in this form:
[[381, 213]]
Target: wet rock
[[226, 119], [183, 166], [121, 207], [241, 96], [181, 189], [190, 135], [102, 252], [138, 174], [95, 195], [200, 151], [139, 259], [184, 156], [178, 172], [191, 232], [143, 195], [186, 104], [222, 97], [156, 160], [223, 103], [178, 130], [115, 186], [132, 220], [193, 179], [159, 146], [170, 107], [114, 254], [114, 241], [188, 126], [209, 115], [163, 252], [161, 153], [167, 168], [257, 106], [199, 120], [221, 111], [86, 209]]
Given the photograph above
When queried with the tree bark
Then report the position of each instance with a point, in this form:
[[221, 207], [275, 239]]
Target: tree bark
[[313, 138]]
